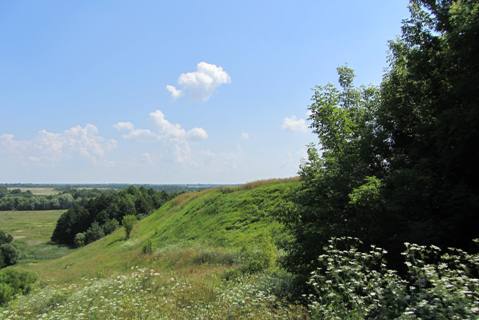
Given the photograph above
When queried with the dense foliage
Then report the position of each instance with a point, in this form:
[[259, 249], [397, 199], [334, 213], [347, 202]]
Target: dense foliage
[[397, 163], [93, 219], [351, 284], [17, 199], [128, 222], [14, 282], [8, 253]]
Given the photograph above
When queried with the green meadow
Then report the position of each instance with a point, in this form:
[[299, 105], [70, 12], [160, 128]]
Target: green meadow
[[213, 255], [32, 231]]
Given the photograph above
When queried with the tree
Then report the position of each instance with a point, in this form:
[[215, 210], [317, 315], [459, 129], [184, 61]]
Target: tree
[[110, 226], [8, 253], [399, 163], [128, 223], [430, 115], [94, 232], [5, 237], [337, 176], [80, 239]]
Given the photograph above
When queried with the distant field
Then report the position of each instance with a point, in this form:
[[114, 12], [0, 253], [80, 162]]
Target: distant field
[[40, 191], [32, 231]]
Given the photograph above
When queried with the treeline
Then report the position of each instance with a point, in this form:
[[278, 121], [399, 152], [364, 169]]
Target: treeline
[[396, 164], [93, 219], [16, 199]]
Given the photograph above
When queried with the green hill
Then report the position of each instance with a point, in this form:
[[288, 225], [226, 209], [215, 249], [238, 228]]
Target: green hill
[[200, 242]]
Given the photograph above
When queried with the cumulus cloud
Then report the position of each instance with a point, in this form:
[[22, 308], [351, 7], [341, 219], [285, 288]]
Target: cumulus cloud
[[164, 130], [294, 124], [200, 84], [50, 146]]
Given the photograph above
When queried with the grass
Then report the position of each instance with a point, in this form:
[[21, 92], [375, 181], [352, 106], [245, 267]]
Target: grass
[[40, 191], [196, 240], [31, 231]]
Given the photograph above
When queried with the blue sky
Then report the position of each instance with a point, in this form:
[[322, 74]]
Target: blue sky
[[83, 85]]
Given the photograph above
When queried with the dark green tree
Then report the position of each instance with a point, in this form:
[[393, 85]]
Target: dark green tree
[[399, 163]]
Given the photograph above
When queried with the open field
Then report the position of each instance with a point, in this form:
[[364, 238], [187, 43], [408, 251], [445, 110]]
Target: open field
[[31, 231], [39, 191]]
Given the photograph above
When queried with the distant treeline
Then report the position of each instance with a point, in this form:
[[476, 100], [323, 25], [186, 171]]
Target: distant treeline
[[90, 220], [16, 199], [19, 196], [169, 188]]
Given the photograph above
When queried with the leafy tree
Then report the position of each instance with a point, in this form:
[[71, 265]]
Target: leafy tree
[[8, 253], [430, 115], [128, 223], [399, 163], [339, 178], [110, 226], [94, 232], [80, 239], [5, 237], [73, 221], [106, 209]]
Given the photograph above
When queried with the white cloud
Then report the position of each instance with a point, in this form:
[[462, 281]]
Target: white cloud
[[124, 126], [244, 135], [198, 134], [166, 128], [294, 124], [130, 132], [172, 133], [200, 84], [50, 146], [175, 93]]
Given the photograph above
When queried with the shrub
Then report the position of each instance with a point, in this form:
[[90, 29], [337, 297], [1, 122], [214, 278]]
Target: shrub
[[148, 247], [5, 237], [80, 239], [128, 222], [350, 284], [214, 258], [257, 258], [8, 255], [94, 233], [110, 226], [14, 282]]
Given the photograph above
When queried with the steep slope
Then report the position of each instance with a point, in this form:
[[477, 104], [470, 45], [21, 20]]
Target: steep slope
[[226, 219]]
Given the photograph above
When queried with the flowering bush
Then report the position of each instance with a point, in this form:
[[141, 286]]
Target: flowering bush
[[350, 284]]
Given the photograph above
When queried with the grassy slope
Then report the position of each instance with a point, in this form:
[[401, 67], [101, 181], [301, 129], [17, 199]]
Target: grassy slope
[[31, 231], [219, 218], [112, 278]]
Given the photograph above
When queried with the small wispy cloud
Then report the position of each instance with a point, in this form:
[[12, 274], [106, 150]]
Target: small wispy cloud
[[294, 124], [244, 135]]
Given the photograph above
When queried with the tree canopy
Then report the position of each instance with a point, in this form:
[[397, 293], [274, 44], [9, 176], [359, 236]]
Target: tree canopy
[[398, 162]]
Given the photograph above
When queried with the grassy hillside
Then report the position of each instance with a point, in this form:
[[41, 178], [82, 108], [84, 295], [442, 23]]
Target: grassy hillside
[[32, 231], [226, 218], [198, 239]]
